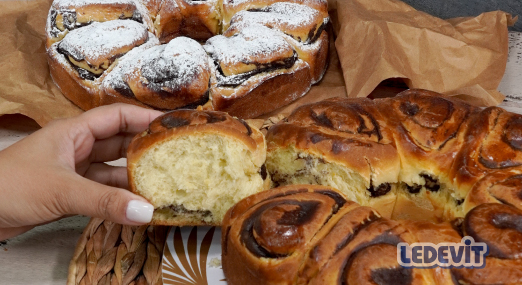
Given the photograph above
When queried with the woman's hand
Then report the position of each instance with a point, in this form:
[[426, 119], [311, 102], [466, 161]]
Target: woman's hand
[[59, 171]]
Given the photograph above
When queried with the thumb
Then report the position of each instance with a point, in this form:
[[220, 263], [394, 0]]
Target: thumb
[[110, 203]]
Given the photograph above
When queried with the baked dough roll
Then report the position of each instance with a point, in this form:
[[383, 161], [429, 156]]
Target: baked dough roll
[[256, 71], [167, 76], [197, 19], [331, 240], [429, 131], [67, 15], [305, 234], [493, 143], [497, 187], [500, 227], [232, 7], [79, 62], [194, 165], [300, 25], [265, 236], [343, 143]]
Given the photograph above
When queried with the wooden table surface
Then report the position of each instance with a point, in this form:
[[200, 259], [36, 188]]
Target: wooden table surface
[[42, 255]]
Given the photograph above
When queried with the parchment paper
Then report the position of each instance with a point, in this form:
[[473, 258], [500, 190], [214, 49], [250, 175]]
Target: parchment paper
[[381, 39], [376, 40]]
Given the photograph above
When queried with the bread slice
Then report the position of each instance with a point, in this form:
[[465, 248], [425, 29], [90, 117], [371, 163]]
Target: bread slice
[[194, 165]]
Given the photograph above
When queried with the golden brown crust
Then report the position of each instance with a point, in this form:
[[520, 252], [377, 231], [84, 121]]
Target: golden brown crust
[[198, 20], [354, 245], [348, 131], [186, 122], [266, 91], [182, 123], [492, 144], [434, 148], [70, 83]]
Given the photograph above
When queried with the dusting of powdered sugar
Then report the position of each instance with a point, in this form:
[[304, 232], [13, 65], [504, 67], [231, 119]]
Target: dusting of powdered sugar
[[312, 3], [288, 14], [117, 76], [253, 41], [98, 40], [165, 67], [68, 4]]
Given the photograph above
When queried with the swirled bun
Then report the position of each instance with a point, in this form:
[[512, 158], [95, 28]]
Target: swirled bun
[[304, 234], [167, 76], [80, 62], [417, 156], [194, 165], [301, 26], [255, 67], [140, 52]]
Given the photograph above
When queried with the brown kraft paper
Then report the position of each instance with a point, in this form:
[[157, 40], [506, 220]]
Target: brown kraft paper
[[376, 40], [382, 39]]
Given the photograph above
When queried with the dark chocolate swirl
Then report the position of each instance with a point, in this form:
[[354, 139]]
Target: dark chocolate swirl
[[430, 121], [188, 117], [499, 226], [344, 115], [236, 80]]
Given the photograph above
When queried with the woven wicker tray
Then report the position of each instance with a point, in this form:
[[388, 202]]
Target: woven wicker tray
[[109, 253]]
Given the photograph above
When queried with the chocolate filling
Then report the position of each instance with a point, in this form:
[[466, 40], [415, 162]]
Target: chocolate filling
[[249, 130], [201, 101], [236, 80], [321, 119], [392, 276], [83, 73], [313, 35], [263, 172], [384, 238], [457, 225], [409, 109], [346, 240], [303, 214], [414, 189], [170, 122], [381, 190], [180, 209], [432, 184], [339, 200]]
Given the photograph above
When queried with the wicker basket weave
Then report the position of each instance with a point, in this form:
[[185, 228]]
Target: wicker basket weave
[[109, 253]]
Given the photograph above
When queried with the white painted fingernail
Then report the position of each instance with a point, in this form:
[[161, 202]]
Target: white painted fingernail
[[139, 211]]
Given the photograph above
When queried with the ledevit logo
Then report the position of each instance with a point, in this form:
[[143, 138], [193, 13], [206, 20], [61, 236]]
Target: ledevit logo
[[467, 253]]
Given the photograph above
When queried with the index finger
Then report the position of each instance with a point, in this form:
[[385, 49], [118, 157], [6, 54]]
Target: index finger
[[106, 121]]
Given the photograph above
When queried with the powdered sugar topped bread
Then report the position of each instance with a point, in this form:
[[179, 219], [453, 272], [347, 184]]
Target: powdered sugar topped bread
[[299, 21], [166, 76], [301, 26], [254, 68], [254, 49], [231, 7], [194, 165], [95, 47], [67, 15]]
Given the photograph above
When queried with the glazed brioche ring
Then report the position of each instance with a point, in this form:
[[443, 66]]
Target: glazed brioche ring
[[304, 234], [416, 156]]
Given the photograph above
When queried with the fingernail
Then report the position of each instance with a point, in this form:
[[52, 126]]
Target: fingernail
[[139, 211]]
